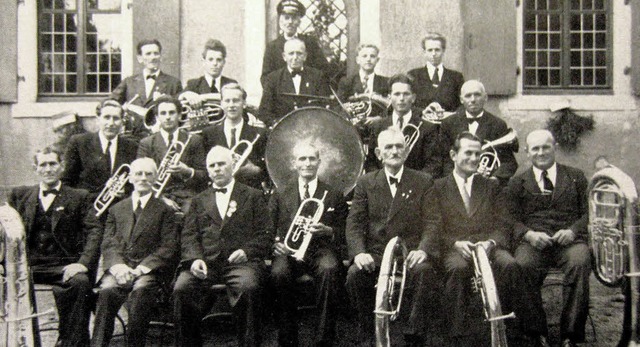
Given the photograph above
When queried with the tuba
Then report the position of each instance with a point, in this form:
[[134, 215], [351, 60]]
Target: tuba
[[242, 157], [309, 212], [171, 157], [613, 239], [489, 160], [111, 189], [411, 135], [390, 288], [484, 283]]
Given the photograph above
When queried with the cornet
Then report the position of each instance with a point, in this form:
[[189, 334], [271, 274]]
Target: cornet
[[195, 119], [241, 158], [111, 189], [390, 288], [413, 135], [309, 212], [172, 157], [489, 160]]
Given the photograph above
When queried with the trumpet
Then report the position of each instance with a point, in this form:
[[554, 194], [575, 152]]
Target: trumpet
[[171, 157], [241, 158], [390, 288], [111, 189], [412, 137], [484, 283], [489, 160], [309, 212]]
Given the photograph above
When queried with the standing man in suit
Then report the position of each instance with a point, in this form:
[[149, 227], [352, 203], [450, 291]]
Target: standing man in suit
[[549, 205], [437, 87], [143, 88], [188, 176], [138, 251], [63, 243], [425, 154], [387, 203], [322, 259], [289, 14], [365, 81], [476, 120], [234, 129], [225, 239], [294, 78], [465, 209], [92, 158]]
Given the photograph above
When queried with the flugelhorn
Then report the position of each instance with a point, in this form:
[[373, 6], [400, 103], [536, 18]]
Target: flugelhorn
[[309, 212], [110, 191], [242, 157], [489, 159], [390, 288], [171, 157], [411, 134], [484, 283]]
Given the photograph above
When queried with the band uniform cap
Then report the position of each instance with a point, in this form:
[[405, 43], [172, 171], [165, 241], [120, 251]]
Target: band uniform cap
[[63, 118], [291, 7]]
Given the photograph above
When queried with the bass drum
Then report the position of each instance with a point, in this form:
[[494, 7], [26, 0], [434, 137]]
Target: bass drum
[[341, 150]]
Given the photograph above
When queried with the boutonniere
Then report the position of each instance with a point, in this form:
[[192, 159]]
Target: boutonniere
[[59, 208], [233, 206], [307, 84], [406, 195], [330, 209]]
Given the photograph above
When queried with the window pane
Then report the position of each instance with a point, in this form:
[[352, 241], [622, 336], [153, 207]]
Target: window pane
[[106, 5], [91, 84], [576, 79], [45, 22], [542, 41], [554, 77], [575, 4], [45, 43], [554, 59], [601, 40], [58, 84], [575, 22], [530, 59], [601, 58], [529, 4], [598, 4], [601, 21], [587, 59], [104, 84], [72, 84], [542, 59], [588, 77], [530, 77], [543, 23], [587, 40], [601, 77], [47, 4], [575, 58], [554, 4], [72, 66], [554, 41], [587, 22], [587, 4], [542, 78], [554, 22], [530, 41], [115, 80]]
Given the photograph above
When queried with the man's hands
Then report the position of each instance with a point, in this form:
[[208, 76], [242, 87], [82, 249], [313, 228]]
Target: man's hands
[[416, 257], [320, 229], [199, 269], [174, 205], [364, 261], [181, 169], [124, 274], [541, 240], [564, 237], [72, 270], [237, 257], [464, 248], [280, 249]]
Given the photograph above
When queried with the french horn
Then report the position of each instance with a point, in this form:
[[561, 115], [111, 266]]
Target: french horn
[[489, 159], [299, 235], [390, 288]]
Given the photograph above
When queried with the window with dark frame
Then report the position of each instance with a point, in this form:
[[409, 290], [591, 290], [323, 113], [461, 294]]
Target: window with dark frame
[[567, 45], [79, 47]]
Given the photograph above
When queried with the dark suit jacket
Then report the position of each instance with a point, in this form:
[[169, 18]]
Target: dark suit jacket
[[213, 135], [425, 155], [151, 241], [566, 209], [132, 85], [85, 166], [73, 222], [154, 147], [447, 220], [351, 85], [447, 94], [273, 60], [376, 217], [199, 85], [209, 237], [274, 105], [490, 128], [284, 205]]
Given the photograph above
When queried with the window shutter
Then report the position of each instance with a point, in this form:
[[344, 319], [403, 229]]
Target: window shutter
[[490, 44], [9, 51], [635, 46], [159, 19]]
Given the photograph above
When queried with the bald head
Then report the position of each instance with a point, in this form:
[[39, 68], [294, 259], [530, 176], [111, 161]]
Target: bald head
[[540, 135], [541, 149], [473, 97], [220, 165]]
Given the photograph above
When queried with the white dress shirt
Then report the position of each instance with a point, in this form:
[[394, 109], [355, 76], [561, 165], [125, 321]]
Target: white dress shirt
[[222, 199], [405, 119], [46, 201], [431, 69], [149, 83], [313, 185], [473, 127], [463, 184], [214, 81], [165, 136], [112, 150], [552, 173], [227, 130], [398, 176], [369, 87], [297, 79], [135, 197]]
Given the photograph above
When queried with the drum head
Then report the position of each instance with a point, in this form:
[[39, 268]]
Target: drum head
[[341, 151]]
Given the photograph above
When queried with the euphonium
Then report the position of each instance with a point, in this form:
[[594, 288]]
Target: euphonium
[[489, 160], [484, 283], [309, 212], [411, 135], [390, 288], [242, 157], [195, 119], [613, 231], [111, 189], [171, 157]]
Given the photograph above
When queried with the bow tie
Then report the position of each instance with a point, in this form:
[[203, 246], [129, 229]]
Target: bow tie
[[153, 77], [393, 180], [472, 119], [50, 191], [295, 73], [220, 190]]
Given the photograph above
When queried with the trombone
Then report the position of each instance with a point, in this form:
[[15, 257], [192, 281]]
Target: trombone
[[489, 160], [302, 221], [110, 191], [171, 157], [241, 158]]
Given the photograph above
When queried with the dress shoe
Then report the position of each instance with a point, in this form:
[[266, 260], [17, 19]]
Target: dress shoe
[[542, 341], [568, 343]]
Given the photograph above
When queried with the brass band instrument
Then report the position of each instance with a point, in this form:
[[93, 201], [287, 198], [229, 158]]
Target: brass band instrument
[[133, 112], [390, 288], [171, 157], [489, 160], [435, 114], [309, 212], [241, 158], [114, 185], [192, 119], [484, 283], [361, 106], [411, 134], [613, 239]]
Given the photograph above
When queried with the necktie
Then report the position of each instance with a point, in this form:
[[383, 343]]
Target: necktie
[[436, 78], [170, 140], [306, 192], [50, 191], [400, 122], [365, 84], [546, 182], [232, 143], [138, 211], [213, 87], [466, 198], [107, 155], [220, 190]]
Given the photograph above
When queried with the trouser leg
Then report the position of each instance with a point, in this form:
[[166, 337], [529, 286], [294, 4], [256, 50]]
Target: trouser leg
[[74, 301], [142, 301], [360, 286], [110, 299], [575, 262]]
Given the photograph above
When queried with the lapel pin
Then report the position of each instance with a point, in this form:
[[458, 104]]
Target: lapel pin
[[59, 208]]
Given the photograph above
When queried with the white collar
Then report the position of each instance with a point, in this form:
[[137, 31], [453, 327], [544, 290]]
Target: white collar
[[291, 70], [229, 186], [213, 80], [405, 118], [228, 125], [146, 73], [469, 115], [552, 172], [57, 187], [104, 140], [135, 197], [397, 176], [313, 185], [165, 135], [362, 75], [432, 67], [460, 181]]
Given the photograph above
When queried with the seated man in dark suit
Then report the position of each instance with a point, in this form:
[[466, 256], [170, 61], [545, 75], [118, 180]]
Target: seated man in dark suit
[[465, 209], [365, 81], [387, 203], [92, 158], [321, 259], [437, 87], [188, 176], [63, 243], [549, 205], [294, 78], [472, 117], [226, 236], [234, 129], [143, 88], [289, 14], [138, 250]]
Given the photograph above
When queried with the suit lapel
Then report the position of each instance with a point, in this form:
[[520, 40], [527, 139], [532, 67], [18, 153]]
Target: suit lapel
[[31, 206], [563, 181], [126, 210], [404, 191], [212, 208], [530, 184], [452, 191], [286, 82], [138, 83], [59, 202], [292, 198], [238, 196], [147, 215], [478, 189]]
